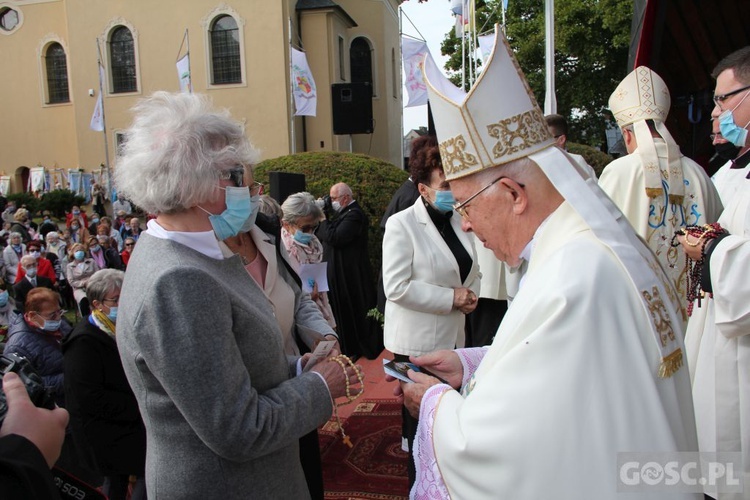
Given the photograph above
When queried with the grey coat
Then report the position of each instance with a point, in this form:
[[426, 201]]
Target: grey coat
[[203, 353]]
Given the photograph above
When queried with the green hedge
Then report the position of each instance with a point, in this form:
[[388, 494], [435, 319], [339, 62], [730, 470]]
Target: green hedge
[[593, 156], [56, 202], [373, 182]]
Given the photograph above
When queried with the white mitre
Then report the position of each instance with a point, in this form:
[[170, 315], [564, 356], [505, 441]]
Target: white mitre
[[642, 96], [499, 121]]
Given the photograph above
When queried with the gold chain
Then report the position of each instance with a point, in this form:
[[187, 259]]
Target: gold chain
[[342, 360]]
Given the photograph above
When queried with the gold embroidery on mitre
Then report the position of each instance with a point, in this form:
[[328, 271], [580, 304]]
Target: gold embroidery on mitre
[[518, 132], [670, 364], [455, 159], [659, 315]]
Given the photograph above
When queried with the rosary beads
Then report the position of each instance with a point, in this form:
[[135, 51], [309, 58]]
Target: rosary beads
[[342, 360], [702, 235]]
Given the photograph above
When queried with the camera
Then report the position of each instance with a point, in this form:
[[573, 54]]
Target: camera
[[39, 395]]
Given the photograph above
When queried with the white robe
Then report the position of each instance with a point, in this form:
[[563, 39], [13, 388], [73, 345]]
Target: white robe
[[569, 381], [656, 219], [717, 340]]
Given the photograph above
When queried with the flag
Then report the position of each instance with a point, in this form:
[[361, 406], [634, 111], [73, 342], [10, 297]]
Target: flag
[[303, 85], [97, 119], [464, 11], [486, 42], [414, 52], [183, 74], [37, 179]]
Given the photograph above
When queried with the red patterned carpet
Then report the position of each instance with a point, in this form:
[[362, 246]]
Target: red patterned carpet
[[375, 468]]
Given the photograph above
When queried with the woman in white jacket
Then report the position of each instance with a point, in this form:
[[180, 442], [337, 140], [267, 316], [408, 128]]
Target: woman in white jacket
[[430, 271]]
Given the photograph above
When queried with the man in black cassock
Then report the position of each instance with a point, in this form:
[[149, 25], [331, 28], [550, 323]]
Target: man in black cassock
[[352, 291]]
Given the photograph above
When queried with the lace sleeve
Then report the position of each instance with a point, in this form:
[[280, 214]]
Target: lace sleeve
[[429, 483], [470, 359]]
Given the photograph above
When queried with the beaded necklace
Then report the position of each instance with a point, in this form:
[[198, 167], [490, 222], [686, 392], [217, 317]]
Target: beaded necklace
[[342, 360]]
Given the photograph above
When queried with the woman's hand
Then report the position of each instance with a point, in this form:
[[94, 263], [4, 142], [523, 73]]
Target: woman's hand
[[314, 294], [464, 299], [336, 378]]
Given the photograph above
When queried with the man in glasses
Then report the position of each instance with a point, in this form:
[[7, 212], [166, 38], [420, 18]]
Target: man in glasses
[[717, 340], [657, 188], [588, 361]]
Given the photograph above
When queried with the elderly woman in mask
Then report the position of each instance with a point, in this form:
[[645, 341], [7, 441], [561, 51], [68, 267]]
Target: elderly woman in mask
[[189, 306], [300, 219], [430, 272]]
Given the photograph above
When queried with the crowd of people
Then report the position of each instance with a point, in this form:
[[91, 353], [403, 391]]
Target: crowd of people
[[557, 319]]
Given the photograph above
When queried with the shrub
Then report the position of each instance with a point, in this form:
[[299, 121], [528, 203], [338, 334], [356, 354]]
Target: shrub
[[27, 199], [58, 201], [373, 182], [593, 156]]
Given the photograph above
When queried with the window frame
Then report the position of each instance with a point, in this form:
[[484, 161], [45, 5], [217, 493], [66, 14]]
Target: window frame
[[104, 47], [373, 69], [207, 24], [41, 57]]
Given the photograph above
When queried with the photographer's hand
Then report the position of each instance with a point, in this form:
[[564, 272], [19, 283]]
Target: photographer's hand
[[45, 428]]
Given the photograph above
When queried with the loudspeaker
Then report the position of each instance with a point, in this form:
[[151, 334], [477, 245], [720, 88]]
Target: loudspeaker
[[285, 183], [352, 108]]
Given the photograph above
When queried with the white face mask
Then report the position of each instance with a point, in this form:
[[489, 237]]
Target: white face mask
[[336, 206]]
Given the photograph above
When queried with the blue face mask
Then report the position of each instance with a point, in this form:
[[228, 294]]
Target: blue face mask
[[79, 255], [95, 248], [254, 208], [51, 326], [112, 314], [239, 209], [444, 201], [729, 129], [3, 298], [304, 238]]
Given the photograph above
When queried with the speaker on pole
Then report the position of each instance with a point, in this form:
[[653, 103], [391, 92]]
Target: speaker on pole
[[285, 183], [352, 108]]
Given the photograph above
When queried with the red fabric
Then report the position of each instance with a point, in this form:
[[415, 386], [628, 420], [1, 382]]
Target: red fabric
[[44, 269], [125, 256], [83, 220]]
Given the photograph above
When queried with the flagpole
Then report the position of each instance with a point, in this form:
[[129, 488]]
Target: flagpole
[[291, 91], [401, 80], [104, 118], [550, 101]]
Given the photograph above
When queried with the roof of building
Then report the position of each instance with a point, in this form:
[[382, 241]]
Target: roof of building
[[323, 4]]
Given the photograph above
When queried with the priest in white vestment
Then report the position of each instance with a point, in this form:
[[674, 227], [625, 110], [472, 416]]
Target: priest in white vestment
[[587, 363], [657, 188], [717, 340]]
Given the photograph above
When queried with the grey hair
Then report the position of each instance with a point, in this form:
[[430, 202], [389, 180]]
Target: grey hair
[[300, 205], [269, 206], [26, 260], [175, 151], [13, 234], [102, 282], [53, 234]]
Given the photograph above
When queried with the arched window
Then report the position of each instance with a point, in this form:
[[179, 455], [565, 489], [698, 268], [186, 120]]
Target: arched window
[[360, 61], [57, 74], [122, 61], [225, 51]]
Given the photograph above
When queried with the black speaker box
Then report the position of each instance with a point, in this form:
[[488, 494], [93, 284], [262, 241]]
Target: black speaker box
[[285, 183], [352, 108]]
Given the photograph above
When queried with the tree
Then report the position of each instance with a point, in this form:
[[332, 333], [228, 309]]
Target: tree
[[592, 39]]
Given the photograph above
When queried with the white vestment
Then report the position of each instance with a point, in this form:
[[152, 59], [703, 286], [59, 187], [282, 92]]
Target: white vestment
[[656, 219], [717, 340], [569, 382]]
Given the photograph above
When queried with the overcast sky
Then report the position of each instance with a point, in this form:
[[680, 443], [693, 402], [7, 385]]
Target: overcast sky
[[431, 21]]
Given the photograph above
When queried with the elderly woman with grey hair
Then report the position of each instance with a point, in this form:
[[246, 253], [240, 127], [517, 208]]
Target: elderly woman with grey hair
[[300, 219], [12, 256], [103, 410], [197, 336]]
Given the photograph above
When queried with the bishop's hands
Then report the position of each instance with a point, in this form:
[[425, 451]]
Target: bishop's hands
[[444, 364], [464, 299]]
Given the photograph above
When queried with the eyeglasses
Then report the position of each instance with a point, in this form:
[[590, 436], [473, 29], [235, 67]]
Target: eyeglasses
[[129, 244], [713, 137], [115, 301], [461, 207], [236, 175], [256, 188], [55, 315], [719, 99], [308, 229]]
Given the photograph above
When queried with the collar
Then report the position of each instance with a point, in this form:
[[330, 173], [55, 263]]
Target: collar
[[529, 248], [204, 242], [742, 161]]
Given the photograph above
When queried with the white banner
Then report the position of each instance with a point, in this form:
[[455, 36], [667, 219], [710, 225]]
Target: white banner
[[37, 179], [4, 185], [305, 93], [414, 52], [97, 119], [486, 42], [183, 74]]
